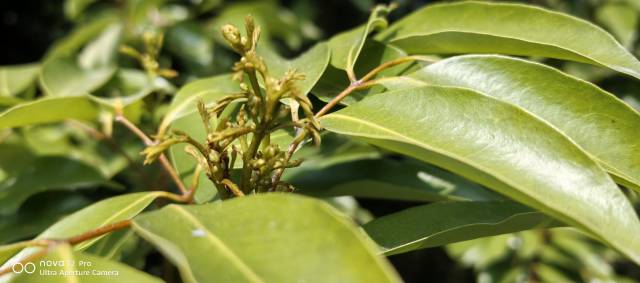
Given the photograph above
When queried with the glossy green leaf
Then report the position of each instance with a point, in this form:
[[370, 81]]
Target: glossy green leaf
[[130, 86], [250, 247], [499, 146], [604, 126], [274, 20], [17, 78], [78, 267], [99, 214], [45, 174], [483, 27], [620, 19], [311, 64], [346, 47], [37, 213], [182, 115], [8, 101], [334, 80], [69, 45], [386, 179], [104, 212], [103, 50], [209, 90], [7, 251], [191, 44], [449, 222], [63, 77], [48, 110], [115, 244]]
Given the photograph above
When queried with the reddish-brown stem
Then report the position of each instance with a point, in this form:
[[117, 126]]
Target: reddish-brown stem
[[100, 136], [163, 158], [365, 82], [74, 240], [25, 260], [393, 63], [351, 88], [99, 232], [49, 244]]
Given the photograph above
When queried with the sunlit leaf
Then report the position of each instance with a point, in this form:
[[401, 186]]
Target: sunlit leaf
[[499, 146], [48, 110], [327, 247], [449, 222], [45, 174], [603, 125], [15, 79], [63, 77], [483, 27], [79, 267]]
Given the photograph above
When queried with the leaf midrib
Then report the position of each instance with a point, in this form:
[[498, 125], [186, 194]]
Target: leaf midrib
[[217, 242], [498, 176]]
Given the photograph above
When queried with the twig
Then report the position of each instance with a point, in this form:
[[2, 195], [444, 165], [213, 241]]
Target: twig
[[25, 260], [364, 82], [99, 232], [50, 244], [194, 184], [232, 187], [163, 158], [98, 135]]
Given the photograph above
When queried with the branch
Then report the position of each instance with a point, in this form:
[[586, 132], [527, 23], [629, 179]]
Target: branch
[[163, 158], [365, 82], [49, 244]]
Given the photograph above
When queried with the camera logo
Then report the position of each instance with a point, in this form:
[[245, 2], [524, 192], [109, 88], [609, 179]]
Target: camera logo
[[28, 268]]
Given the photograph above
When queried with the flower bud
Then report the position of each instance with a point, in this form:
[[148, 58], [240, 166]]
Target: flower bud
[[231, 34]]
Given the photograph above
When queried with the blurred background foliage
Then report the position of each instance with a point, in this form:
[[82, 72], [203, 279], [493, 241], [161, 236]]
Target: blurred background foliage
[[84, 35]]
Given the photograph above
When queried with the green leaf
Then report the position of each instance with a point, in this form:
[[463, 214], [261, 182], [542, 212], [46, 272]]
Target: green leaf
[[311, 64], [449, 222], [189, 42], [209, 89], [48, 110], [86, 31], [9, 101], [82, 268], [103, 50], [499, 146], [481, 27], [620, 19], [73, 8], [46, 173], [17, 78], [274, 20], [374, 53], [130, 86], [7, 251], [182, 115], [604, 126], [346, 47], [386, 179], [37, 213], [63, 77], [104, 212], [250, 247]]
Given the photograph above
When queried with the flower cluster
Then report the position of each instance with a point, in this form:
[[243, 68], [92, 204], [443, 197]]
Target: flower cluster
[[239, 126]]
